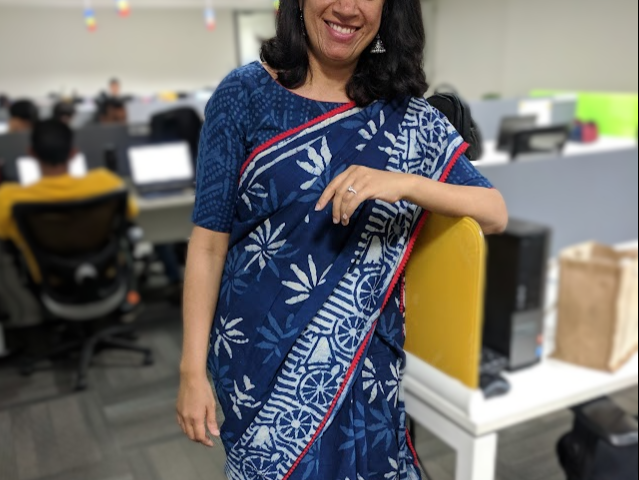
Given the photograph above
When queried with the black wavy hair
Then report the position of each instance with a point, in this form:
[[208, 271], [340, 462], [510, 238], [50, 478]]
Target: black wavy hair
[[397, 73], [52, 142], [25, 110]]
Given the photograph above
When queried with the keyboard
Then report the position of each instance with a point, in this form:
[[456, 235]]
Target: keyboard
[[492, 363]]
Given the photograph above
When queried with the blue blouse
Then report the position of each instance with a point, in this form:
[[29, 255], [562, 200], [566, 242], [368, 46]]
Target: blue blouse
[[249, 108]]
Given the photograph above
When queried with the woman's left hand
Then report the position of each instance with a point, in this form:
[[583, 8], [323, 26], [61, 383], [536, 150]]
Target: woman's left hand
[[358, 184]]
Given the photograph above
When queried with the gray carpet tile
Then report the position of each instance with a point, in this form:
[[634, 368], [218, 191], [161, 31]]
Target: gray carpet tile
[[124, 427]]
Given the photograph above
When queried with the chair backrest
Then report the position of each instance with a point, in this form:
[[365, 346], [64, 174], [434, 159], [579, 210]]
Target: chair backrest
[[78, 246], [12, 147], [183, 123], [445, 280]]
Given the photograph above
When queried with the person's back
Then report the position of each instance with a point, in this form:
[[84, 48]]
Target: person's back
[[52, 146]]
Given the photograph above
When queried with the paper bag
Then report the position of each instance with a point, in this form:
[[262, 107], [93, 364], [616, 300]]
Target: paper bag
[[597, 310]]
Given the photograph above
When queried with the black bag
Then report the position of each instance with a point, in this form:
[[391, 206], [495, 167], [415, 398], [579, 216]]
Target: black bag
[[602, 444], [459, 114]]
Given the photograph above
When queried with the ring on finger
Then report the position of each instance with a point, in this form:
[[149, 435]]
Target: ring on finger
[[352, 190]]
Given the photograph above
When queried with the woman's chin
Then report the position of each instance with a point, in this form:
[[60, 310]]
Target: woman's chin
[[341, 57]]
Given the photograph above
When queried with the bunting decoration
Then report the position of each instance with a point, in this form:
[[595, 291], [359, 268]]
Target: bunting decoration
[[90, 19], [124, 8], [209, 17]]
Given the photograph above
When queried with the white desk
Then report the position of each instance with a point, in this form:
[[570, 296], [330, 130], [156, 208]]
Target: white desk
[[166, 219], [492, 156], [463, 419]]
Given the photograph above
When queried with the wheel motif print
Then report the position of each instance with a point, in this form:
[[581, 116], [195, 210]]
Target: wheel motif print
[[294, 425], [318, 388]]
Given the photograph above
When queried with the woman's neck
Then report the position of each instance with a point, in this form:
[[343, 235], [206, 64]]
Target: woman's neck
[[327, 81]]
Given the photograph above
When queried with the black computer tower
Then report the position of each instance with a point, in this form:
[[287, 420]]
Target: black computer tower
[[515, 293]]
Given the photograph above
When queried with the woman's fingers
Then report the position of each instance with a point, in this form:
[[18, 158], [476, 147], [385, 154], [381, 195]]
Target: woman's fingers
[[211, 420], [332, 188], [199, 429], [352, 202], [188, 429], [339, 198]]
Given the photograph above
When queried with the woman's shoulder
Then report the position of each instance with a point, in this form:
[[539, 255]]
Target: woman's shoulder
[[246, 77]]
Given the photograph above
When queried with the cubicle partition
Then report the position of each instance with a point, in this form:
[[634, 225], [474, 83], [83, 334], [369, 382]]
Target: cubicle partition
[[590, 196]]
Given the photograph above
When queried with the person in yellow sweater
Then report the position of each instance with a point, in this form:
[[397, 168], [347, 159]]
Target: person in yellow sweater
[[52, 146]]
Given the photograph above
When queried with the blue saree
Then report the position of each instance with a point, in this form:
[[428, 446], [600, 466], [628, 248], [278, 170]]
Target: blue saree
[[306, 350]]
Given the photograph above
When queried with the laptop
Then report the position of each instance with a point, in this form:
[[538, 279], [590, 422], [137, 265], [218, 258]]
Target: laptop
[[29, 169], [510, 126], [161, 169]]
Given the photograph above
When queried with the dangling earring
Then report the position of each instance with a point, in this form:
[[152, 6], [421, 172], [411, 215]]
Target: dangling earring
[[378, 46]]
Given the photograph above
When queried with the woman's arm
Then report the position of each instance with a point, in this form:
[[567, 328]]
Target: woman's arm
[[205, 263], [485, 205]]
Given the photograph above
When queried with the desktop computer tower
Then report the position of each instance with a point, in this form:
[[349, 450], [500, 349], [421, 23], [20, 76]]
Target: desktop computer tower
[[515, 293]]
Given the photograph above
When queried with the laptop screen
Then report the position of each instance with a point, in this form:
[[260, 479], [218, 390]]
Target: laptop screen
[[29, 169], [158, 164]]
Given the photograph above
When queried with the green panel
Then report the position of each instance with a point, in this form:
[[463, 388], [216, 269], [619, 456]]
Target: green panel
[[615, 113]]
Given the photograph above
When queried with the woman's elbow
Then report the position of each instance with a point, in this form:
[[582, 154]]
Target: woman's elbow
[[498, 218]]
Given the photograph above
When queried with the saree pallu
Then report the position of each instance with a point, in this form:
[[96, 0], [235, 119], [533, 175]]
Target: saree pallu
[[307, 342]]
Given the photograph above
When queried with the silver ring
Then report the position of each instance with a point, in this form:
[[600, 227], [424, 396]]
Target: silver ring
[[352, 190]]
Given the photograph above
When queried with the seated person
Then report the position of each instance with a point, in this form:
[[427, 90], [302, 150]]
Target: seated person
[[64, 111], [23, 114], [112, 111], [52, 146]]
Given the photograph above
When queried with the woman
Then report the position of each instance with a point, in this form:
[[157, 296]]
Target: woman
[[316, 171]]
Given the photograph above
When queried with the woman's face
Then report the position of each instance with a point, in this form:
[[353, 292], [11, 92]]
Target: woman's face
[[340, 30]]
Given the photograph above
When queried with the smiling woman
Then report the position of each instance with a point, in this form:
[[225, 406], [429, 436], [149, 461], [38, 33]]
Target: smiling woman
[[317, 171], [320, 34]]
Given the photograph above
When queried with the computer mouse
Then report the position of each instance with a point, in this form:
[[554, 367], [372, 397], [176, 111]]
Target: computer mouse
[[494, 386]]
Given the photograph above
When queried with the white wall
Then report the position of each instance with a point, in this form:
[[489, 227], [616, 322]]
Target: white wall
[[513, 46], [46, 49]]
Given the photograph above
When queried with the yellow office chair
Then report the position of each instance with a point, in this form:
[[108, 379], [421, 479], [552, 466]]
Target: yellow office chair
[[445, 281]]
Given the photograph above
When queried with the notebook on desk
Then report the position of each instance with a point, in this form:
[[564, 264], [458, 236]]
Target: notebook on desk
[[161, 169]]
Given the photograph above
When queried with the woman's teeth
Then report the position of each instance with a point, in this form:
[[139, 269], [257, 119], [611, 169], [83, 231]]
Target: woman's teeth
[[340, 29]]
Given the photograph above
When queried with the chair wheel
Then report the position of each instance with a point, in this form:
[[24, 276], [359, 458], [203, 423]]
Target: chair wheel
[[27, 371], [148, 360], [81, 385]]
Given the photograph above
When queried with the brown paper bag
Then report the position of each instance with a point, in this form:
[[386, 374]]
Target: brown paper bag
[[597, 310]]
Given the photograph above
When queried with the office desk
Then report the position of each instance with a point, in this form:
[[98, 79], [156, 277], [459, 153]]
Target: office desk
[[166, 219], [492, 156], [467, 422]]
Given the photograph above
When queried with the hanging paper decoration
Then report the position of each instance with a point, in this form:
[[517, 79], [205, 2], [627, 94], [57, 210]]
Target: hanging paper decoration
[[209, 18], [90, 20], [124, 8]]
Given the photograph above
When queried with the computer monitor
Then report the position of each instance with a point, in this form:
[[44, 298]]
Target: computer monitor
[[161, 167], [510, 126], [29, 169], [540, 141], [564, 111], [95, 141]]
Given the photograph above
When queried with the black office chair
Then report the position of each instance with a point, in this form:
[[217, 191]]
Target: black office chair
[[182, 123], [539, 141], [83, 254], [602, 444]]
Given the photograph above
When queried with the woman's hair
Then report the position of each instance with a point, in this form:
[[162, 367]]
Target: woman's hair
[[397, 73]]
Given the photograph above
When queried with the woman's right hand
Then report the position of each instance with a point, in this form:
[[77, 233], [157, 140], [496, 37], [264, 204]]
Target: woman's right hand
[[196, 409]]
